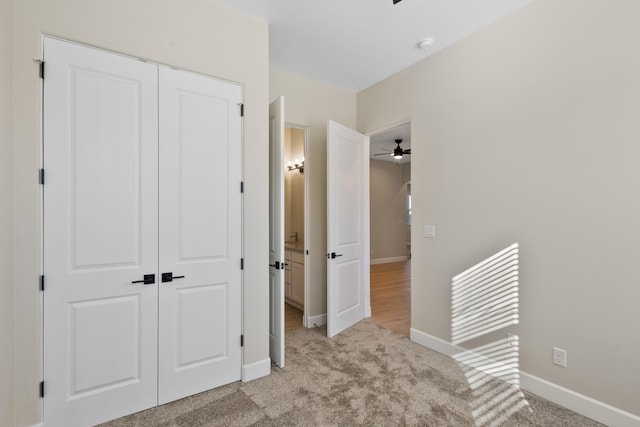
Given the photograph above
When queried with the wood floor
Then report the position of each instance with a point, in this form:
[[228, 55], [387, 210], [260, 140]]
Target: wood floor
[[390, 299], [292, 318], [391, 296]]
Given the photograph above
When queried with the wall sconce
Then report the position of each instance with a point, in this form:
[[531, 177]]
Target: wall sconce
[[297, 165]]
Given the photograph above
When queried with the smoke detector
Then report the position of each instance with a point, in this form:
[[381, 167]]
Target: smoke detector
[[425, 44]]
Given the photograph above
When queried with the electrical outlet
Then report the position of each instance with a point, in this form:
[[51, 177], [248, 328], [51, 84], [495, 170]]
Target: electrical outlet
[[559, 357]]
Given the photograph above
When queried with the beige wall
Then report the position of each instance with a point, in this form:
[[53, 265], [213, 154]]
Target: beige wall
[[310, 103], [297, 186], [287, 184], [293, 185], [198, 35], [528, 131], [388, 201], [6, 216]]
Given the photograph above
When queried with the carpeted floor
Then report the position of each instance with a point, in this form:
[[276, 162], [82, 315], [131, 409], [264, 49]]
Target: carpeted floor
[[366, 376]]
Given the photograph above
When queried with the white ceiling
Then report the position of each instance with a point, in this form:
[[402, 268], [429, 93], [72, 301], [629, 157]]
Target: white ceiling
[[353, 44], [383, 143]]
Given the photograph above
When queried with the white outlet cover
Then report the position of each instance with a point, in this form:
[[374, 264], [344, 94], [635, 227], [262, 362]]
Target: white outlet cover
[[559, 357], [430, 231]]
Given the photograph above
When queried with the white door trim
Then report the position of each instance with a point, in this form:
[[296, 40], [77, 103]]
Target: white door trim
[[41, 242], [308, 166]]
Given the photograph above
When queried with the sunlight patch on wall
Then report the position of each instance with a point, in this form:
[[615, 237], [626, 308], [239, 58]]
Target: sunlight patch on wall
[[484, 298]]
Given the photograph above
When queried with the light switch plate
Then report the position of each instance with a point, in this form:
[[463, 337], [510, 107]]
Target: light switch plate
[[430, 231]]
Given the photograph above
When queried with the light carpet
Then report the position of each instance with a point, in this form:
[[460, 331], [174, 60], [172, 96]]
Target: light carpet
[[366, 376]]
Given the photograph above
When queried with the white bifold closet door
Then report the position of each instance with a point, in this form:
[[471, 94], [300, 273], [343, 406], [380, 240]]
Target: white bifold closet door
[[128, 197]]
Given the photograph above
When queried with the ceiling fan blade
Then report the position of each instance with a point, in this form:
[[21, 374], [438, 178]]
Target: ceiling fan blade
[[396, 1], [384, 154]]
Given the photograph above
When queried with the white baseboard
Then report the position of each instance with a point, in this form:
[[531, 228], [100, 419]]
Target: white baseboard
[[256, 370], [584, 405], [37, 425], [316, 321], [388, 260]]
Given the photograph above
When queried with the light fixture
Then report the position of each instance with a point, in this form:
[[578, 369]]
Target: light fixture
[[397, 153], [297, 165], [425, 44]]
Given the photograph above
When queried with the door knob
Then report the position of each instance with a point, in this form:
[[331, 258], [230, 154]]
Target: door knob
[[169, 277], [148, 279], [276, 265], [333, 255]]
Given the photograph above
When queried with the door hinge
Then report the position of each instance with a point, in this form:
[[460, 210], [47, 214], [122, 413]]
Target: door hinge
[[242, 186], [241, 340], [241, 263], [41, 69], [41, 176], [41, 389], [241, 110], [42, 283]]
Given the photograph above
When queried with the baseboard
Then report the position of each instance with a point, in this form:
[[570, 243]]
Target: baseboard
[[388, 260], [584, 405], [256, 370], [316, 321], [37, 425], [294, 304]]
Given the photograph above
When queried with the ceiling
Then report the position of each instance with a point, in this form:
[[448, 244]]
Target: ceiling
[[353, 44], [383, 143]]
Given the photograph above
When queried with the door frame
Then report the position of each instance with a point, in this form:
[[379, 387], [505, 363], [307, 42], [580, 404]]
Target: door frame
[[305, 129], [378, 131], [40, 247]]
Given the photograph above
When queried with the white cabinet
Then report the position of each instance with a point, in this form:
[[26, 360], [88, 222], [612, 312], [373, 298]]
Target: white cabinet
[[294, 277]]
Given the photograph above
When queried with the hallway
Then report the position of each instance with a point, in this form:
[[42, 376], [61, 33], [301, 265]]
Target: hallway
[[390, 299], [391, 296]]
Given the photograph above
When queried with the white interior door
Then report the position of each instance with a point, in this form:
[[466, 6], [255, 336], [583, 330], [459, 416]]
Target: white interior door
[[100, 235], [200, 234], [347, 227], [276, 231]]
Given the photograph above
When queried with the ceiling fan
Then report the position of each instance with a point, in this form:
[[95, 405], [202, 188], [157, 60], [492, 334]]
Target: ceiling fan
[[398, 152]]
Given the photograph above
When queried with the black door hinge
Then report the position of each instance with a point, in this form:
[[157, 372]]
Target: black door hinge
[[41, 389], [42, 283], [241, 110], [241, 340], [241, 263], [242, 186], [41, 176], [42, 69]]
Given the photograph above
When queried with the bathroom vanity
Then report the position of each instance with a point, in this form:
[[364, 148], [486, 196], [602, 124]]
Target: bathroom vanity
[[294, 275]]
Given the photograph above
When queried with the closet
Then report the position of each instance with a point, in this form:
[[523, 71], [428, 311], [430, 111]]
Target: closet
[[141, 234]]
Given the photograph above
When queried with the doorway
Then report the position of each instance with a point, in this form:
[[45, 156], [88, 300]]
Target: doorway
[[390, 186], [295, 226], [347, 230]]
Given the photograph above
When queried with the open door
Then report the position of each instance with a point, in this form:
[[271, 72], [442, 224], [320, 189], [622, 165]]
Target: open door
[[276, 231], [347, 227]]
